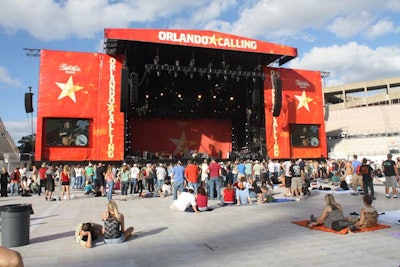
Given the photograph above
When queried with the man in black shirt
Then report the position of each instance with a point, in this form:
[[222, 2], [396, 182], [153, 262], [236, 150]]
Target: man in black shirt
[[366, 172], [391, 175]]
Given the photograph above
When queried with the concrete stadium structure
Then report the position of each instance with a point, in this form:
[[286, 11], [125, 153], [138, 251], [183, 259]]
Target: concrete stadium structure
[[362, 119]]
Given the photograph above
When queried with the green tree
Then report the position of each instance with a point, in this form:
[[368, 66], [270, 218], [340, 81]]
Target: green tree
[[26, 144]]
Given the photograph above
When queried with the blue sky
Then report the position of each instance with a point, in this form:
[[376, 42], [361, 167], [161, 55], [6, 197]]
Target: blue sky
[[354, 40]]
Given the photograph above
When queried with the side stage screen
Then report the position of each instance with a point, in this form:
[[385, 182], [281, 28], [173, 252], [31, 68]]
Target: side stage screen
[[181, 137], [304, 135], [66, 132]]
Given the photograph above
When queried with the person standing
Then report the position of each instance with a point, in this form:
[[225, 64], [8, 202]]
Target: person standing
[[15, 181], [4, 176], [49, 184], [79, 176], [192, 175], [391, 175], [134, 178], [297, 179], [288, 177], [100, 179], [42, 177], [215, 182], [177, 177], [366, 172], [124, 176], [110, 180], [65, 181], [356, 177], [161, 173], [150, 176], [204, 173]]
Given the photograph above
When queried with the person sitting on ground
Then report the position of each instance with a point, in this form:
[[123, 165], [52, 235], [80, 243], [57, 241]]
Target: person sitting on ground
[[228, 195], [265, 196], [335, 179], [114, 225], [166, 189], [242, 193], [202, 199], [186, 201], [332, 211], [368, 214], [89, 188], [11, 258], [86, 233]]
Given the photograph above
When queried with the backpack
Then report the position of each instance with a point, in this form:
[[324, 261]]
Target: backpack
[[358, 170], [343, 185]]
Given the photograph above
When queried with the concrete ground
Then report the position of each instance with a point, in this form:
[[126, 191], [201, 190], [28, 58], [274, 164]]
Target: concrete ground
[[253, 235]]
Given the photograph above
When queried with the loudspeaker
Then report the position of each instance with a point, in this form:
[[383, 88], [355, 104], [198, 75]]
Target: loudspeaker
[[124, 90], [28, 102], [256, 97], [134, 89], [277, 87]]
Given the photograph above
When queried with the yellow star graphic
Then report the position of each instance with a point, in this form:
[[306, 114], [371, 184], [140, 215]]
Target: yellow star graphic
[[213, 40], [182, 144], [68, 89], [303, 101]]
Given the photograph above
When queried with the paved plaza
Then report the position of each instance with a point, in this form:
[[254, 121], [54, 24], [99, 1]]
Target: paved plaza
[[253, 235]]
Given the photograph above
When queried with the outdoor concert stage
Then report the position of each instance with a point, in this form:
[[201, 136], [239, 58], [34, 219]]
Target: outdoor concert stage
[[170, 93]]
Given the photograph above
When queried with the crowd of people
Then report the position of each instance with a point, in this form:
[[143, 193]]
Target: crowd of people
[[163, 179]]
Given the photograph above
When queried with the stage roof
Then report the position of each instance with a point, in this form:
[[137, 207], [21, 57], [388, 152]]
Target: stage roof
[[205, 47]]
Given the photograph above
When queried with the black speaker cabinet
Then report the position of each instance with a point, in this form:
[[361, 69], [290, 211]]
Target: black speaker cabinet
[[28, 102]]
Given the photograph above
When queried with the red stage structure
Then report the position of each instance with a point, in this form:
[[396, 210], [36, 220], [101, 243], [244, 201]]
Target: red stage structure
[[172, 93]]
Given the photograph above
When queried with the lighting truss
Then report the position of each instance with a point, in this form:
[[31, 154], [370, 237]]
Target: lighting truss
[[209, 71]]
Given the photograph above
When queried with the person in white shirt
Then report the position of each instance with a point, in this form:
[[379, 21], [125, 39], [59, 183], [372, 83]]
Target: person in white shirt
[[134, 176], [161, 173], [186, 201]]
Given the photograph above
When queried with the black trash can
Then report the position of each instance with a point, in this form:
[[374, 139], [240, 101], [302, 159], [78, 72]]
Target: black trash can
[[15, 224]]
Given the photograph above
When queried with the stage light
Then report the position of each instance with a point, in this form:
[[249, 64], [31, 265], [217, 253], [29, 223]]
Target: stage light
[[161, 94], [199, 97], [231, 98], [214, 96], [147, 96], [156, 60]]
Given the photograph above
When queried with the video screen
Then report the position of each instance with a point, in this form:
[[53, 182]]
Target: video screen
[[304, 135], [66, 132]]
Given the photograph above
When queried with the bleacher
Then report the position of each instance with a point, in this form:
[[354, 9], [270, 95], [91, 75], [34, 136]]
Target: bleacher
[[368, 131], [9, 153]]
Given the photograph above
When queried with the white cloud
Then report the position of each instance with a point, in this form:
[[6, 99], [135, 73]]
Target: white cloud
[[49, 20], [348, 26], [7, 79], [351, 62], [382, 27], [18, 129]]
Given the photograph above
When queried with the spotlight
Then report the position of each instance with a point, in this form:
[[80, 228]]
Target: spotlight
[[156, 60]]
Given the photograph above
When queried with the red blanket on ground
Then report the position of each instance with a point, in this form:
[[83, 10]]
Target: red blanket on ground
[[342, 232]]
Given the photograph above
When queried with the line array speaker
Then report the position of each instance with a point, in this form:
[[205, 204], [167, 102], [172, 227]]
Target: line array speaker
[[277, 86], [28, 102], [134, 89], [124, 107]]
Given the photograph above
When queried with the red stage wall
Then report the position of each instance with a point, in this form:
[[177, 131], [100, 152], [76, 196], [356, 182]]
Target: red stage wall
[[76, 85], [177, 137], [302, 103]]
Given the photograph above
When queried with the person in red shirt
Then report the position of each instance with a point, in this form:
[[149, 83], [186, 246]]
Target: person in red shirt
[[202, 199], [42, 177], [228, 195], [215, 182], [65, 182], [192, 175]]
